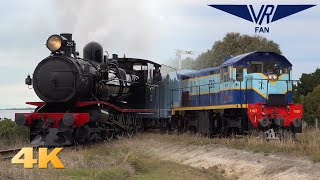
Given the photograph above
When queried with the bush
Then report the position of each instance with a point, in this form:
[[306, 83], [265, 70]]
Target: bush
[[311, 106], [12, 133]]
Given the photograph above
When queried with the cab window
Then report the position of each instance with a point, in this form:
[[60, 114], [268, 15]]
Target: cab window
[[285, 70], [271, 68], [239, 73], [224, 74], [139, 67], [255, 67]]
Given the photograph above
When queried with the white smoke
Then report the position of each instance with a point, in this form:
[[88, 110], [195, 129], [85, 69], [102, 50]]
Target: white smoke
[[130, 27]]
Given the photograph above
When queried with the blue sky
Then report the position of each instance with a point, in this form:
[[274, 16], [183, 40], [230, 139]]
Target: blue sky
[[151, 29]]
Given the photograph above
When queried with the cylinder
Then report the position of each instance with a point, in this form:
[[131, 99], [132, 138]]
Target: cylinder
[[20, 119]]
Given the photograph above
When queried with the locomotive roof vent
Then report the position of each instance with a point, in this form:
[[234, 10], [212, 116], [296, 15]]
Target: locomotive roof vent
[[115, 56], [93, 51]]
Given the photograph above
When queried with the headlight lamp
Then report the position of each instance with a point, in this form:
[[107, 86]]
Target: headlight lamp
[[272, 77], [54, 43]]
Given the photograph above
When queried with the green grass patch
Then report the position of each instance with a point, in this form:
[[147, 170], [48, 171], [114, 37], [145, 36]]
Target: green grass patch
[[77, 173], [114, 173]]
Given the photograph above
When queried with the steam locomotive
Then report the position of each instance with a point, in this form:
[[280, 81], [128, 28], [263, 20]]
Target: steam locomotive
[[95, 97], [90, 98]]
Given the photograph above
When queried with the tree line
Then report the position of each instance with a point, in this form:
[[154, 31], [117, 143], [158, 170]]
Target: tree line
[[232, 44]]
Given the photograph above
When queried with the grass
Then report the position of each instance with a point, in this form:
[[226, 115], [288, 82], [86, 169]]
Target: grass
[[119, 160], [309, 144], [113, 160]]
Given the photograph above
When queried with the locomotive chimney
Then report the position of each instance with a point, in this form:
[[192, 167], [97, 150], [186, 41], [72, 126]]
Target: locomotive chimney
[[105, 59], [70, 49], [68, 36]]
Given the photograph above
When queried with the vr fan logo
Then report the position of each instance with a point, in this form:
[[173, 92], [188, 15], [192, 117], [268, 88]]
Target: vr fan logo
[[266, 13]]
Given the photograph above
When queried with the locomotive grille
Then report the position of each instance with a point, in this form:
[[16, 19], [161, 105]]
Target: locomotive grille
[[277, 99], [185, 98]]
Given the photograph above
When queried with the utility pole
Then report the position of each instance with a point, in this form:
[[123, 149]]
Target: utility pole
[[179, 52]]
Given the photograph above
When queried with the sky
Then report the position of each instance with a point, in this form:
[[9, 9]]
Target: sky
[[150, 29]]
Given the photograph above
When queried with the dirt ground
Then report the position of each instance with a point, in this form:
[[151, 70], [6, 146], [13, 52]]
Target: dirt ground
[[234, 163]]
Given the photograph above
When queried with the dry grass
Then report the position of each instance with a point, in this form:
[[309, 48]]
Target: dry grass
[[114, 160], [309, 144], [120, 160]]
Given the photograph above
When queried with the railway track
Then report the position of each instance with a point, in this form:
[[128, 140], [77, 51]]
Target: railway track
[[8, 153]]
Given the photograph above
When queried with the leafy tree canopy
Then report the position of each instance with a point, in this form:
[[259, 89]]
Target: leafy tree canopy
[[232, 44], [308, 82], [311, 105]]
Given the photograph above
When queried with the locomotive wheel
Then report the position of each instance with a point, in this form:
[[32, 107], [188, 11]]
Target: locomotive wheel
[[119, 135], [138, 130], [82, 133], [130, 133], [110, 136]]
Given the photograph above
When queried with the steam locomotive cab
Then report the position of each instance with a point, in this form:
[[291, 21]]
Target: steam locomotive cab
[[147, 77]]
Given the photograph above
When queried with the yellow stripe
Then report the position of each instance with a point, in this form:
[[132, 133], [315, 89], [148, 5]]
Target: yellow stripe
[[285, 91], [273, 82], [197, 108], [263, 76], [259, 92]]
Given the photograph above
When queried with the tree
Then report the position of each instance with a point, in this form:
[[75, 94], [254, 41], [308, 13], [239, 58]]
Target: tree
[[233, 44], [308, 82], [187, 63], [311, 106]]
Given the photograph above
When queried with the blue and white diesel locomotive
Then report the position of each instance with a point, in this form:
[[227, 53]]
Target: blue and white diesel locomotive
[[247, 92]]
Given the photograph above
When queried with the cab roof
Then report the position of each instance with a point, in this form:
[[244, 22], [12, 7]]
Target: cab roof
[[256, 56]]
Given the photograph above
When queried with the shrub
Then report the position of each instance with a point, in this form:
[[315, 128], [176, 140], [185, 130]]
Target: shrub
[[11, 133]]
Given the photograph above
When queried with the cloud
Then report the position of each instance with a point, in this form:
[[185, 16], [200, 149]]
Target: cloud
[[15, 95], [129, 27]]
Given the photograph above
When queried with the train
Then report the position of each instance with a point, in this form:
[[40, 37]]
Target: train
[[97, 97]]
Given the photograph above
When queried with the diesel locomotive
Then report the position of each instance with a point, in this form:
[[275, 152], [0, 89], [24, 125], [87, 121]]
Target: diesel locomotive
[[248, 93], [96, 97]]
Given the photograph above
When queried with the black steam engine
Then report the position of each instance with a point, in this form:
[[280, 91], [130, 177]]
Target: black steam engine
[[90, 98]]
